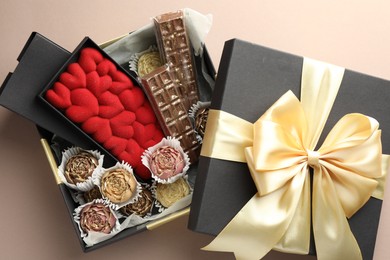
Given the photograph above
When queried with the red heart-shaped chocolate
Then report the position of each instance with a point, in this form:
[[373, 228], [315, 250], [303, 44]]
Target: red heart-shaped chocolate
[[105, 67], [98, 127], [116, 145], [109, 105], [142, 133], [145, 114], [121, 124], [120, 82], [84, 105], [132, 99], [59, 96], [132, 153], [158, 136], [88, 59], [74, 77], [96, 84]]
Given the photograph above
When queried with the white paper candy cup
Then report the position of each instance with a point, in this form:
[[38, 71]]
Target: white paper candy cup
[[66, 155], [174, 143], [97, 181]]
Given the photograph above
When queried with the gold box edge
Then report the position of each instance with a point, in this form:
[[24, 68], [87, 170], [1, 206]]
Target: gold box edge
[[169, 218], [52, 161]]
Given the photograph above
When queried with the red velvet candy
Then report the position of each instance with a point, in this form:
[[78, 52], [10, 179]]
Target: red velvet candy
[[105, 67], [84, 105], [132, 99], [116, 144], [96, 84], [89, 57], [74, 77], [121, 124], [108, 107], [59, 95], [145, 114]]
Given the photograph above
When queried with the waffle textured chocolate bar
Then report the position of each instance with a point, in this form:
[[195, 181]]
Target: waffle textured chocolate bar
[[176, 50], [161, 88]]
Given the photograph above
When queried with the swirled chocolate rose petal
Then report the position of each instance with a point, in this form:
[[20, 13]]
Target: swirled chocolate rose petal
[[201, 120], [118, 185], [97, 217], [92, 194], [167, 194], [80, 167], [166, 162], [141, 207]]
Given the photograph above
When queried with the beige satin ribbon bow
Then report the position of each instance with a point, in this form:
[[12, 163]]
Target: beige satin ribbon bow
[[279, 150]]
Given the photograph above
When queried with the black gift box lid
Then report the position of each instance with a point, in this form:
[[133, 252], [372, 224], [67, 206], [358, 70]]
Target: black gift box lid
[[39, 61], [250, 79]]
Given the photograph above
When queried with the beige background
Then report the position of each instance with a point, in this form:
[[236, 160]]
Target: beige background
[[34, 222]]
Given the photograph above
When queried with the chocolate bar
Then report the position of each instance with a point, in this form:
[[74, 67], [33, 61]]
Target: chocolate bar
[[161, 88], [175, 50]]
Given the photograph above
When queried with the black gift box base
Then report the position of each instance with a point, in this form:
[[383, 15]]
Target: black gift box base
[[250, 79], [39, 61]]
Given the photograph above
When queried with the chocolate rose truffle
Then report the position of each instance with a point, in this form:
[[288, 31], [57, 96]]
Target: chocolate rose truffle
[[200, 121], [80, 167], [97, 217], [118, 185], [166, 162], [92, 194], [141, 207], [167, 194], [148, 62]]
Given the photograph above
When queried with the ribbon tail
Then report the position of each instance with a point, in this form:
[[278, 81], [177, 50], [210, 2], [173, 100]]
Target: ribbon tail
[[296, 239], [333, 236], [263, 221], [254, 231]]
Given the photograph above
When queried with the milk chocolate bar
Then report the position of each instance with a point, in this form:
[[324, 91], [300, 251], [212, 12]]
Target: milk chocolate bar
[[161, 88], [176, 50]]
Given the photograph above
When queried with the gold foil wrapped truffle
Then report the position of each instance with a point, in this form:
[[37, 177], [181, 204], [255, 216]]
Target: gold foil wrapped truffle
[[80, 167], [167, 194], [141, 207], [118, 185], [97, 217], [148, 62]]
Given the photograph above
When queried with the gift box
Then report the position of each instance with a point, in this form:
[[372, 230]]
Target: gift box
[[251, 78], [40, 63]]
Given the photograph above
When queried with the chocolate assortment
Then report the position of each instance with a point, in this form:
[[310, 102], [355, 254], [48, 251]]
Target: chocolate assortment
[[118, 119], [175, 48]]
